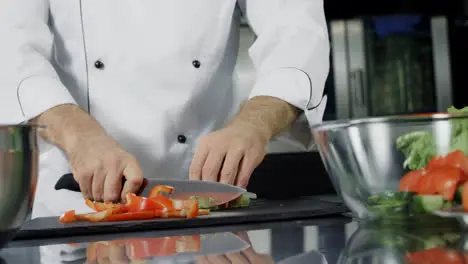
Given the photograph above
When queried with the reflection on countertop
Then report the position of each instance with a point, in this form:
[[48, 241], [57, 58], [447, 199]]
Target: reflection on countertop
[[326, 240], [310, 241]]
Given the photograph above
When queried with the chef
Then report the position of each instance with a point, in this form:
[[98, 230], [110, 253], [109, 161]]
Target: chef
[[144, 88]]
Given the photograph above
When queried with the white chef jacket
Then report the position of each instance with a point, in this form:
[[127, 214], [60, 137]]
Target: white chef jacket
[[156, 74]]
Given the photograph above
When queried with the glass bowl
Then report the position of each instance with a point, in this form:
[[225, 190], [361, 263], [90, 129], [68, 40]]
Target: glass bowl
[[367, 158]]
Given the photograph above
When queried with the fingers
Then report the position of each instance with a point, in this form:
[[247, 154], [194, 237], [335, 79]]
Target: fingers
[[237, 258], [85, 181], [112, 185], [249, 162], [219, 259], [197, 163], [134, 178], [231, 166], [212, 166], [98, 181]]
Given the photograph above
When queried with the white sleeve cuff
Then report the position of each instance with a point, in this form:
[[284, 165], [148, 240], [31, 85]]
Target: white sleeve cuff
[[289, 84], [37, 94]]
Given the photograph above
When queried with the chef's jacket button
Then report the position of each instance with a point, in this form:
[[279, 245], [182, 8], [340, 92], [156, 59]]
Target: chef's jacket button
[[182, 139], [98, 64], [196, 64]]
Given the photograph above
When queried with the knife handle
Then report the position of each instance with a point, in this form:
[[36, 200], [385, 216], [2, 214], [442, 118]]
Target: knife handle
[[68, 182]]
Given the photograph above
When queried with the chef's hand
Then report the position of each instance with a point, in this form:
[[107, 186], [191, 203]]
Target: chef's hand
[[229, 155], [247, 256], [98, 165], [97, 161]]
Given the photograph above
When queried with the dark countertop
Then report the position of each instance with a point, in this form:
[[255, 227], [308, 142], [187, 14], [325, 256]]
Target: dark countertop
[[336, 239], [311, 241]]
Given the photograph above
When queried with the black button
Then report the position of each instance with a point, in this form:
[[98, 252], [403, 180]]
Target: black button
[[182, 139], [98, 64], [196, 64]]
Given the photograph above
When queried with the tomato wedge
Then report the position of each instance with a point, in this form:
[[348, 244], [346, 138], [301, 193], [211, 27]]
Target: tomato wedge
[[410, 181], [435, 162], [459, 160], [445, 180], [435, 256]]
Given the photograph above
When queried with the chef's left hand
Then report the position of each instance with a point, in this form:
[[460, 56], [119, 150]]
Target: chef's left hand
[[229, 155]]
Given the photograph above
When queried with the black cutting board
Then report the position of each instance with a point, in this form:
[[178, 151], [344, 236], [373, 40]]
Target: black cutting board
[[259, 211]]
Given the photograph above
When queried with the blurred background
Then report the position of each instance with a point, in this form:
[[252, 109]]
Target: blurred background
[[387, 57]]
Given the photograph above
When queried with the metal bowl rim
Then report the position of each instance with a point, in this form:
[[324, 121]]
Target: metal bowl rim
[[345, 123]]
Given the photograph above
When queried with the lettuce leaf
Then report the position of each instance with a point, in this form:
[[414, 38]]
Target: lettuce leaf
[[419, 147], [459, 140]]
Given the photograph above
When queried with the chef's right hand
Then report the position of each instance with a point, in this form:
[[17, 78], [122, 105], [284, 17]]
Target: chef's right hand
[[98, 165], [97, 161]]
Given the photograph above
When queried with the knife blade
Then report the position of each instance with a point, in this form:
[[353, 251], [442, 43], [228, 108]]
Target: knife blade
[[214, 192]]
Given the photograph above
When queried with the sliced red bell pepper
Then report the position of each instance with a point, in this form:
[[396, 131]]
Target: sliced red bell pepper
[[68, 217], [143, 215], [160, 190], [163, 202], [142, 204], [98, 206], [188, 208], [95, 217]]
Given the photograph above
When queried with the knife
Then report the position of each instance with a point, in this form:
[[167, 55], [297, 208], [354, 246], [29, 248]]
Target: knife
[[214, 192]]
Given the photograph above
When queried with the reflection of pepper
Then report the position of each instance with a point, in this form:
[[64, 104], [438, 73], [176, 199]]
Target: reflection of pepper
[[160, 190], [142, 248]]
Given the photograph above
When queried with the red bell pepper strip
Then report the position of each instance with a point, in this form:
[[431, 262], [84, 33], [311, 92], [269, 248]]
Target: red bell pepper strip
[[142, 204], [143, 215], [164, 202], [95, 217], [98, 206], [160, 190], [68, 217]]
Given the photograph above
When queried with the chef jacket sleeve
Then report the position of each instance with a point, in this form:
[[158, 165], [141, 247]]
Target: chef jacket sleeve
[[29, 84], [291, 57]]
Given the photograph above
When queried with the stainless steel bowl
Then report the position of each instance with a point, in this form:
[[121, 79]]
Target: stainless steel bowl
[[18, 177], [361, 155]]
